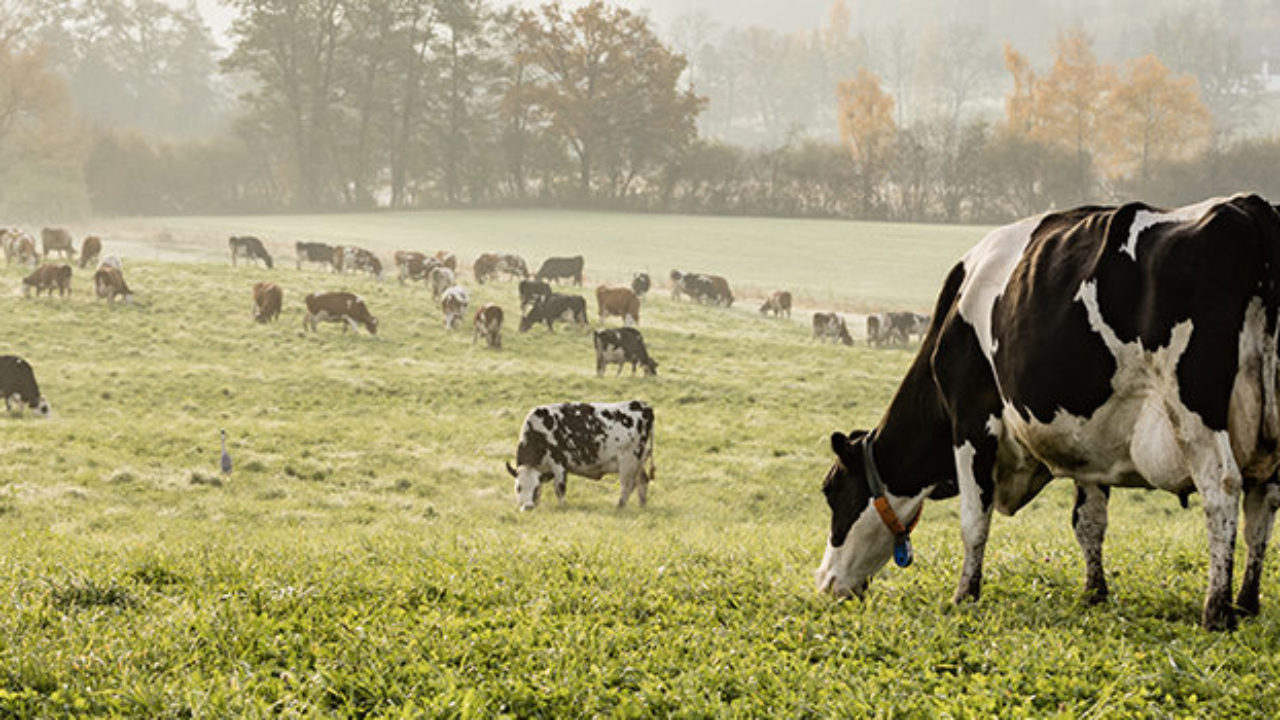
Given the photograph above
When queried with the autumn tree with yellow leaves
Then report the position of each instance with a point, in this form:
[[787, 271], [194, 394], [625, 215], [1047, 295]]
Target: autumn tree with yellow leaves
[[1155, 117], [869, 133]]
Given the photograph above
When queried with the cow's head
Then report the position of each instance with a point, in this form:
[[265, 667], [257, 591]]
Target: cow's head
[[371, 324], [528, 486], [859, 543], [527, 320]]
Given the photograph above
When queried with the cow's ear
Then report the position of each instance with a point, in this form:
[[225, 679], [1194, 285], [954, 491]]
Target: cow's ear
[[842, 445], [511, 470]]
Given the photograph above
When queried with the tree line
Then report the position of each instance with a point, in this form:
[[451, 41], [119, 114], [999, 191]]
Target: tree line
[[324, 105]]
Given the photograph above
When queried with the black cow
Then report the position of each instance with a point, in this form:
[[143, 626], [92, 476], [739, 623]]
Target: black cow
[[531, 290], [561, 267], [568, 308], [313, 252], [18, 384], [622, 345], [1119, 346], [640, 284], [250, 247]]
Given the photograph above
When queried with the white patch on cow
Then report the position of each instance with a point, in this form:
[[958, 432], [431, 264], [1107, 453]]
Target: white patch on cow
[[1144, 219], [1252, 413], [847, 569], [988, 267]]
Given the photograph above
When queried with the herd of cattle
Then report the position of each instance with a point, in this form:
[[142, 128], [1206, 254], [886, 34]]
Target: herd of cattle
[[1121, 346], [19, 247]]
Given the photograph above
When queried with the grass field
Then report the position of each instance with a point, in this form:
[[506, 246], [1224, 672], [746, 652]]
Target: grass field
[[366, 556]]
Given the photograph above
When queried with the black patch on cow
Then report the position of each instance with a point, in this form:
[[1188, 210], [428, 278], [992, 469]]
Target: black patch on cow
[[17, 377]]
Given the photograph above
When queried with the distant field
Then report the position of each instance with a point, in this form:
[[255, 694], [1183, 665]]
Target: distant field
[[845, 265], [365, 558]]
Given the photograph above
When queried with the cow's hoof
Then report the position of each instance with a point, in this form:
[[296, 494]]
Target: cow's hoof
[[1248, 606], [1219, 617], [1095, 595]]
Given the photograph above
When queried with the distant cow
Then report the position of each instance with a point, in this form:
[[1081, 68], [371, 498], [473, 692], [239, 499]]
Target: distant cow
[[46, 278], [18, 385], [412, 265], [778, 303], [488, 324], [720, 292], [561, 267], [267, 299], [640, 284], [548, 309], [340, 307], [111, 261], [831, 325], [489, 265], [906, 324], [57, 240], [249, 247], [108, 282], [623, 345], [877, 325], [620, 301], [587, 439], [19, 247], [453, 303], [697, 286], [447, 259], [442, 279], [90, 250], [313, 252], [349, 258], [531, 290]]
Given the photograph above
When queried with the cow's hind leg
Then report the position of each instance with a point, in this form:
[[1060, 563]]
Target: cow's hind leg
[[1261, 499], [1217, 478], [976, 491], [1089, 520], [629, 471]]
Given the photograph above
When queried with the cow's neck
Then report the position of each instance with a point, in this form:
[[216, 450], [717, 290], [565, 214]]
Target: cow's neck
[[913, 440]]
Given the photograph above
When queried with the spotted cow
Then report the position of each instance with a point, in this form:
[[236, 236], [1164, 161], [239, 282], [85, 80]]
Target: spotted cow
[[19, 387], [339, 307], [488, 324], [778, 303], [831, 326], [1124, 346], [249, 247], [586, 439]]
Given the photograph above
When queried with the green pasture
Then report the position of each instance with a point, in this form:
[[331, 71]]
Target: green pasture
[[365, 557], [826, 263]]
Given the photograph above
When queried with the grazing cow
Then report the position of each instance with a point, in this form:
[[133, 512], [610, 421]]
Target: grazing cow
[[19, 387], [453, 303], [586, 439], [414, 265], [488, 323], [447, 259], [697, 286], [356, 259], [531, 290], [90, 250], [267, 299], [111, 261], [640, 284], [778, 302], [46, 278], [877, 324], [548, 309], [906, 324], [18, 246], [561, 267], [249, 247], [622, 345], [1119, 346], [339, 307], [108, 282], [441, 279], [313, 252], [57, 240], [620, 301], [489, 265], [831, 325], [720, 292], [485, 267]]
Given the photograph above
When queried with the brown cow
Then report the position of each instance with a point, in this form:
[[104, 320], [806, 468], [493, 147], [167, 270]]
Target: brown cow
[[19, 246], [489, 265], [109, 282], [831, 325], [489, 325], [46, 278], [267, 299], [618, 300], [447, 259], [341, 307], [485, 267], [90, 250], [778, 302], [57, 240], [356, 259], [413, 265]]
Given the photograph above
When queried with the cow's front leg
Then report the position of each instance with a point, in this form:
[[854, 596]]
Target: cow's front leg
[[561, 481], [1261, 498], [1089, 520], [1219, 484], [975, 518]]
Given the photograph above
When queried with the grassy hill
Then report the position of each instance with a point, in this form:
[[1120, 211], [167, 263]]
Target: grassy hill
[[366, 557]]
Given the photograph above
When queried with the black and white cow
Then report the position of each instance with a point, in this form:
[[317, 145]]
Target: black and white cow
[[313, 252], [549, 308], [249, 247], [1124, 346], [557, 268], [640, 284], [587, 439], [18, 385], [622, 345]]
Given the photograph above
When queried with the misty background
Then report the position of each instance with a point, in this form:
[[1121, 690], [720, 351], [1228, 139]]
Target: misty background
[[927, 110]]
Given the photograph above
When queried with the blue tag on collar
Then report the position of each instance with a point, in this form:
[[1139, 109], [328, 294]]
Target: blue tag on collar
[[902, 555]]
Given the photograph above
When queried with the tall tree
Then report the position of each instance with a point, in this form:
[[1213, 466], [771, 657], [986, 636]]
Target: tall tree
[[1071, 104], [869, 133], [1155, 117]]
